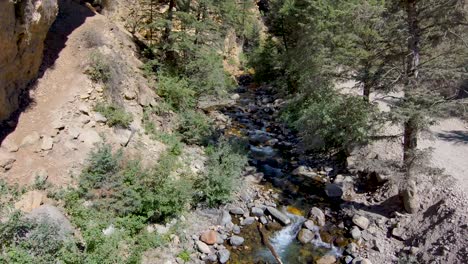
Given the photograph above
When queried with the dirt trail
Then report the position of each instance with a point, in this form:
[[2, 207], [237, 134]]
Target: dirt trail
[[448, 140], [53, 96], [450, 143]]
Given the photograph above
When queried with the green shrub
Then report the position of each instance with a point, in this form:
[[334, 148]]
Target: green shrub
[[176, 91], [329, 120], [99, 69], [25, 240], [223, 170], [195, 127], [103, 164], [207, 75], [184, 255], [116, 115], [128, 190]]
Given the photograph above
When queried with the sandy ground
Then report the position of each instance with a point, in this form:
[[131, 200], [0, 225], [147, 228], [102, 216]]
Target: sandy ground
[[448, 140]]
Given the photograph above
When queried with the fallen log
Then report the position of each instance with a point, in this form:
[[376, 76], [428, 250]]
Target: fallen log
[[267, 243]]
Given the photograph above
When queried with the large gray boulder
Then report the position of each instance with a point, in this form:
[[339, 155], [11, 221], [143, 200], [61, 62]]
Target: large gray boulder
[[54, 216], [282, 218]]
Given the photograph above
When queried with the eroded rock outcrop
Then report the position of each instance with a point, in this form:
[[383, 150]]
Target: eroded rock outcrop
[[23, 28]]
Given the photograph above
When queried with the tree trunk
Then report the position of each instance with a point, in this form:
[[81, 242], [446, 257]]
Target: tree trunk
[[170, 54], [410, 143], [170, 16], [411, 129], [366, 89]]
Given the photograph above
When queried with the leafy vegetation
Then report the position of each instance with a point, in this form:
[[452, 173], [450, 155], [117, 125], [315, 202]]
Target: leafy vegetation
[[115, 115], [195, 127], [25, 240], [99, 69], [222, 176]]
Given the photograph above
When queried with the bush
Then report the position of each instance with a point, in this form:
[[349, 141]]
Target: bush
[[103, 164], [128, 189], [99, 69], [28, 241], [329, 120], [207, 74], [222, 176], [195, 127], [176, 91], [116, 115]]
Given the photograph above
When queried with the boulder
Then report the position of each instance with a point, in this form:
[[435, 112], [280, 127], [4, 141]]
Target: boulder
[[84, 109], [355, 233], [53, 215], [410, 198], [282, 218], [47, 143], [361, 221], [317, 216], [99, 118], [236, 230], [224, 218], [255, 178], [123, 136], [257, 211], [223, 255], [304, 171], [236, 241], [248, 221], [90, 137], [209, 237], [74, 132], [328, 259], [30, 201], [237, 211], [333, 190], [305, 236], [6, 163], [202, 247], [309, 224]]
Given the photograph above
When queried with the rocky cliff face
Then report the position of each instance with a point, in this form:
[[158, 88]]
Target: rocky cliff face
[[23, 27]]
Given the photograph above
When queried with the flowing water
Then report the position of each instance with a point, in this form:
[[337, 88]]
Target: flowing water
[[275, 151]]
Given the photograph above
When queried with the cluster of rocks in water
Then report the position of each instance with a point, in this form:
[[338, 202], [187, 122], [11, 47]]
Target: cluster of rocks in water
[[215, 244]]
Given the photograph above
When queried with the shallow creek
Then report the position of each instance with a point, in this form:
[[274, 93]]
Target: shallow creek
[[275, 151]]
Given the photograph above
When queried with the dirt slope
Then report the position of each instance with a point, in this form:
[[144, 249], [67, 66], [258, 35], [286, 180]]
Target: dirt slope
[[58, 128]]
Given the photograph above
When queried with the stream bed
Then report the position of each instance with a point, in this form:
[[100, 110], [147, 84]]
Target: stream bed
[[298, 181]]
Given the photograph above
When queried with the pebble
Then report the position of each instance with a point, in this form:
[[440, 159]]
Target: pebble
[[236, 240], [237, 211], [236, 230], [317, 216], [248, 221], [224, 218], [305, 236], [361, 221], [256, 211], [202, 247], [355, 233], [223, 255], [209, 237]]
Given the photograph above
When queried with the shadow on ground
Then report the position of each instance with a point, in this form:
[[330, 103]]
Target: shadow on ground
[[455, 136], [71, 15]]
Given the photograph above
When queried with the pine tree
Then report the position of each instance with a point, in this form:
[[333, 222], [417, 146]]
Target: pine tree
[[434, 35]]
